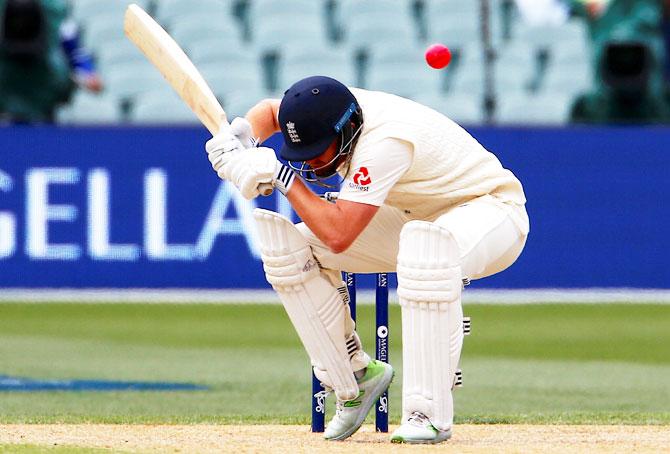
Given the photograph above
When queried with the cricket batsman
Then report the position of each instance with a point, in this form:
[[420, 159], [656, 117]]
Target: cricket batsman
[[419, 196]]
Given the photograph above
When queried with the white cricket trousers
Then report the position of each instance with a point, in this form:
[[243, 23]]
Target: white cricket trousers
[[490, 235]]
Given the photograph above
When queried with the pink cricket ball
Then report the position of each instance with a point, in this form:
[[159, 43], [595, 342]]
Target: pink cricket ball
[[438, 56]]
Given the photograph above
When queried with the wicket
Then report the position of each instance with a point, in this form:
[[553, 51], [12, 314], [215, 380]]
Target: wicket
[[382, 352]]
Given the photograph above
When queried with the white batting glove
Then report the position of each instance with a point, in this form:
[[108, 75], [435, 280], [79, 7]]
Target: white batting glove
[[236, 138], [220, 147], [252, 167]]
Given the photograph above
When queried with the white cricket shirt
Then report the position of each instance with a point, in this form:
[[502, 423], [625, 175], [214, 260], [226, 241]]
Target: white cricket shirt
[[414, 158]]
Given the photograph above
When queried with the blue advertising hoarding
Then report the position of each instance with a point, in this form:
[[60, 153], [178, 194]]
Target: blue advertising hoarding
[[125, 207], [598, 205]]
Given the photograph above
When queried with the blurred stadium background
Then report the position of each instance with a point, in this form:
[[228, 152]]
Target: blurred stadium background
[[250, 49]]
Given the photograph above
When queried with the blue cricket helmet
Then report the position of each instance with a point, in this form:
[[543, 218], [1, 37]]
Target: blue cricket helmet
[[312, 114]]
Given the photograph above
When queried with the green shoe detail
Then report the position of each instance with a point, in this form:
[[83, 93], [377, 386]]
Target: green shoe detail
[[350, 414], [418, 429], [373, 369], [354, 402]]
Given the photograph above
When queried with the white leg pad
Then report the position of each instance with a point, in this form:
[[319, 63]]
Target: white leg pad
[[359, 359], [429, 290], [312, 302]]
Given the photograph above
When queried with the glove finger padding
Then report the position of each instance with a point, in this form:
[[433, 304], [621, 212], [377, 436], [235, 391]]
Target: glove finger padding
[[249, 186], [248, 169], [224, 141], [218, 158], [261, 165], [222, 174], [266, 163], [235, 168]]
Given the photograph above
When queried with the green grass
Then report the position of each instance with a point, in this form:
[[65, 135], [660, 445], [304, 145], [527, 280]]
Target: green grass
[[527, 363]]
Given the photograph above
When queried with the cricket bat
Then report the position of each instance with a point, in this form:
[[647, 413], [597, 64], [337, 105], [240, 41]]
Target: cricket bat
[[179, 71]]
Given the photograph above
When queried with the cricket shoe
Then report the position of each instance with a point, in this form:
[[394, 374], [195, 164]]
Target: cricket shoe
[[350, 414], [418, 429]]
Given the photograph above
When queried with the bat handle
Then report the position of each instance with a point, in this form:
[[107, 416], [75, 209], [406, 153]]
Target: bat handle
[[265, 189]]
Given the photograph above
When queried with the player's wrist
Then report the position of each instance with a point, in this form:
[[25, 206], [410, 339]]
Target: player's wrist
[[284, 178]]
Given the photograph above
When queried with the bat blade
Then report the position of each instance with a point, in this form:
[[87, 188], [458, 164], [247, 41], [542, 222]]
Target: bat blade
[[179, 71], [175, 66]]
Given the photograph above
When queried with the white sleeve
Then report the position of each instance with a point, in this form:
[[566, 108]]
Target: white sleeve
[[374, 170]]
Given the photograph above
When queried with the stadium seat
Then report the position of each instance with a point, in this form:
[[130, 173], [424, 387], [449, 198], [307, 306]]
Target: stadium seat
[[224, 78], [121, 53], [190, 30], [405, 60], [86, 108], [576, 54], [518, 52], [103, 30], [442, 9], [408, 83], [549, 108], [459, 30], [271, 37], [85, 10], [298, 62], [286, 10], [168, 11], [572, 33], [463, 108], [211, 51], [386, 30], [279, 26], [512, 72], [125, 82], [507, 15], [238, 103], [510, 77], [467, 76], [403, 54], [566, 79], [364, 28], [471, 55], [369, 10], [517, 66], [161, 107], [457, 22]]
